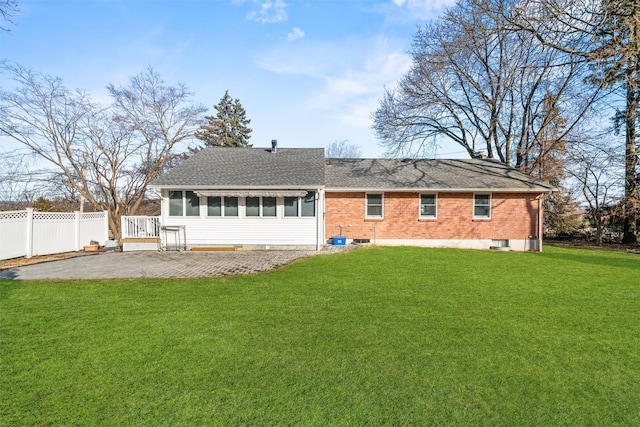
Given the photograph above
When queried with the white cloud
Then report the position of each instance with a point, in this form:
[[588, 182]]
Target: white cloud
[[270, 11], [295, 34], [352, 95], [350, 76]]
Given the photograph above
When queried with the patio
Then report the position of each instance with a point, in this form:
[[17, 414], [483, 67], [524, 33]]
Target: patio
[[111, 265]]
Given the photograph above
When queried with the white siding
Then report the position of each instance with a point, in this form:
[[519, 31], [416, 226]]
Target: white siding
[[242, 230], [247, 231]]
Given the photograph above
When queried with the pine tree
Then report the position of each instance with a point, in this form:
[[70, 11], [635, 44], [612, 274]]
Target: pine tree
[[229, 127]]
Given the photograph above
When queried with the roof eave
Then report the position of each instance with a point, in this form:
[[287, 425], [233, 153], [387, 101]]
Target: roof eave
[[233, 187], [442, 190]]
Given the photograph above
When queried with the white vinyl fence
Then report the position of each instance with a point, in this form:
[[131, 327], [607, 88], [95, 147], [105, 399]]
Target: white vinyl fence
[[29, 233]]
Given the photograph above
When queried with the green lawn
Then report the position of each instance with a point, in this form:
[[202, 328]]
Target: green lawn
[[376, 336]]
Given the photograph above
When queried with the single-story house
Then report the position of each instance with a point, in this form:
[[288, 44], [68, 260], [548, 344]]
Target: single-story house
[[294, 197]]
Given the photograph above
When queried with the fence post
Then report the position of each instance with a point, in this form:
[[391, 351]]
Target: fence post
[[29, 242], [76, 231], [106, 226]]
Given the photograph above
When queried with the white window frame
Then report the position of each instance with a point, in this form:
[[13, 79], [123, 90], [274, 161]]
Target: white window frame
[[366, 206], [435, 197], [222, 208], [184, 204], [482, 217], [299, 206]]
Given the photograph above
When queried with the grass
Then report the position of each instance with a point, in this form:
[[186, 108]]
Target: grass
[[376, 336]]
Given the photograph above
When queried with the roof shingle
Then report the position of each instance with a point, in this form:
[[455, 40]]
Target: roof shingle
[[216, 167], [426, 174], [303, 168]]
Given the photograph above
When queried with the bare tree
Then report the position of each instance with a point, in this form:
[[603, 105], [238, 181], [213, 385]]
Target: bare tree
[[595, 169], [8, 9], [108, 155], [20, 184], [491, 89], [342, 149], [605, 34]]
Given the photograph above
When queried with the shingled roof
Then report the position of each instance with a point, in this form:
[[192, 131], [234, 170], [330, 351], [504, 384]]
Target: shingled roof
[[304, 168], [223, 167], [423, 174]]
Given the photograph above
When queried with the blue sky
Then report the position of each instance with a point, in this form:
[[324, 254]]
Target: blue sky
[[308, 72]]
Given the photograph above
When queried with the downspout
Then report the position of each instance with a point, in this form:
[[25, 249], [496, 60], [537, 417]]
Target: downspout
[[540, 218], [164, 207], [319, 217]]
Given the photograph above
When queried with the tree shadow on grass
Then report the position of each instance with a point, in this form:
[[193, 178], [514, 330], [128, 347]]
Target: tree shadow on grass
[[597, 257]]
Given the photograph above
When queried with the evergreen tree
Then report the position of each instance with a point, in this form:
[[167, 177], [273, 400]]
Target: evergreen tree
[[229, 127]]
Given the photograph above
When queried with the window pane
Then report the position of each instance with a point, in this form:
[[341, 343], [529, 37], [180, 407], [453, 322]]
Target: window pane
[[428, 210], [482, 205], [253, 206], [374, 205], [428, 199], [214, 206], [193, 204], [428, 205], [268, 206], [374, 210], [230, 206], [308, 207], [175, 203], [481, 211], [290, 206], [374, 199], [482, 199]]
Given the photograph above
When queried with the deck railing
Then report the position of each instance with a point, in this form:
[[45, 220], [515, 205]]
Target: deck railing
[[140, 226]]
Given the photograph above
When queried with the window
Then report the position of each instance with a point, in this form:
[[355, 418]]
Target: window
[[253, 206], [193, 204], [428, 206], [214, 206], [482, 206], [184, 203], [230, 206], [374, 206], [175, 203], [308, 206], [268, 206], [290, 206], [222, 206], [300, 206]]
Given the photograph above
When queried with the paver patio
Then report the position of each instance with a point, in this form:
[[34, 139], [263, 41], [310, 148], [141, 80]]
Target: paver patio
[[107, 265]]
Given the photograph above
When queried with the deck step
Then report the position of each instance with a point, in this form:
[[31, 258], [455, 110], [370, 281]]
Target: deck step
[[214, 248]]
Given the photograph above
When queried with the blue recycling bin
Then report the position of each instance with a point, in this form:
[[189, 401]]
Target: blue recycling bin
[[339, 241]]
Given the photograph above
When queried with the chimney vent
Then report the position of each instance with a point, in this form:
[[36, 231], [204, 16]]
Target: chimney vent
[[274, 145]]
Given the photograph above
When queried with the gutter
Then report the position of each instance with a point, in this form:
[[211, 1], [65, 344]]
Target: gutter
[[545, 190], [233, 187]]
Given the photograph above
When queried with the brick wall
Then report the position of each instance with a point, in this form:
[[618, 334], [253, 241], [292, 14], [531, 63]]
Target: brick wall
[[513, 216]]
